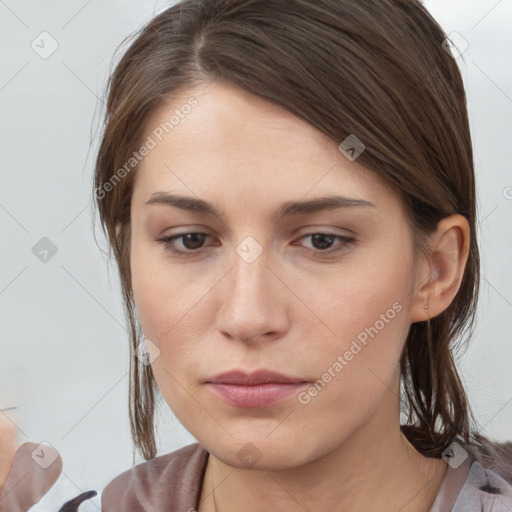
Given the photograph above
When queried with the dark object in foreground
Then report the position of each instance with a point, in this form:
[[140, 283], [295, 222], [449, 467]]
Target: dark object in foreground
[[72, 505]]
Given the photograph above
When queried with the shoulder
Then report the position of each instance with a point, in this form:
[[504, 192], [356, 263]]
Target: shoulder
[[484, 490], [171, 479]]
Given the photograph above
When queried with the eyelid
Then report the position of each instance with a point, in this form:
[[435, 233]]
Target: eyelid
[[168, 240], [343, 243]]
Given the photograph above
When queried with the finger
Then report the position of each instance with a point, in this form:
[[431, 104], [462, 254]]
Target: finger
[[8, 445], [36, 467]]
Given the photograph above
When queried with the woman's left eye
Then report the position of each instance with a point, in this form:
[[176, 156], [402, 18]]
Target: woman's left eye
[[192, 243], [320, 241]]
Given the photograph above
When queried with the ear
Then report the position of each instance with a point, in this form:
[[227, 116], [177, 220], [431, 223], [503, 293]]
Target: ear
[[440, 275]]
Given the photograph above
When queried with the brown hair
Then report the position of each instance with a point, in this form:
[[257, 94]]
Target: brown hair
[[377, 69]]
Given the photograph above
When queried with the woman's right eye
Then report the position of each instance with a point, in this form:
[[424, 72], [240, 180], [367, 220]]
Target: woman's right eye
[[191, 242]]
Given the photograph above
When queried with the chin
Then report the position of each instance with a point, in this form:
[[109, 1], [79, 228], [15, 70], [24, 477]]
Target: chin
[[262, 452]]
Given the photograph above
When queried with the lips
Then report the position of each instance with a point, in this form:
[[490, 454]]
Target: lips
[[241, 378], [259, 389]]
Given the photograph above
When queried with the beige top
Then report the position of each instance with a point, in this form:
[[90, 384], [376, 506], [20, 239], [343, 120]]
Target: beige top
[[173, 482]]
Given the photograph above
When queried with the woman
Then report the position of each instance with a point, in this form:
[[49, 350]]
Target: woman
[[288, 189]]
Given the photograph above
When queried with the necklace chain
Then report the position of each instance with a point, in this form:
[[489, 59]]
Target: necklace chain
[[213, 492]]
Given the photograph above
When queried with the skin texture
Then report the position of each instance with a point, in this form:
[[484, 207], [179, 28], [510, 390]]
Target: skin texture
[[291, 310]]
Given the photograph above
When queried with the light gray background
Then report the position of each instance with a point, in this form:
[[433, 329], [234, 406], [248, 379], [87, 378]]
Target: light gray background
[[64, 344]]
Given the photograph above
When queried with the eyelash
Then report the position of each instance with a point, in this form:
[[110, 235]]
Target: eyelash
[[167, 243]]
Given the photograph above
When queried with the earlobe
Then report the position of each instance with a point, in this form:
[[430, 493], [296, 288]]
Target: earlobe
[[449, 249]]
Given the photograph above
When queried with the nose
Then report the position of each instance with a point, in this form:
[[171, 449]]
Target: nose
[[255, 301]]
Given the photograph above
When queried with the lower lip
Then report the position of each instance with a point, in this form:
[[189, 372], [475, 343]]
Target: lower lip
[[257, 396]]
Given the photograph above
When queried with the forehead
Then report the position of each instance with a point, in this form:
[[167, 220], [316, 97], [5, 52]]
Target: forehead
[[220, 140]]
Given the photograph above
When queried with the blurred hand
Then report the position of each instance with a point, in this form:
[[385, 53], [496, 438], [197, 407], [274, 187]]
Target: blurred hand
[[28, 472]]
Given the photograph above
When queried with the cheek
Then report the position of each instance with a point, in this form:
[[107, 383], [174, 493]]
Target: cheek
[[154, 294], [162, 304], [368, 311], [171, 307], [371, 290], [148, 296]]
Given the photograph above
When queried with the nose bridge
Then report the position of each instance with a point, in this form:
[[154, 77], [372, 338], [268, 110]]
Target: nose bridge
[[250, 267], [251, 304]]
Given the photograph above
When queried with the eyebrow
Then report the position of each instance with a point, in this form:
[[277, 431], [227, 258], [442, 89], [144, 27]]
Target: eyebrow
[[285, 210]]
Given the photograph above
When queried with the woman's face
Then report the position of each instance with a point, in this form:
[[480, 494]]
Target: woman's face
[[265, 286]]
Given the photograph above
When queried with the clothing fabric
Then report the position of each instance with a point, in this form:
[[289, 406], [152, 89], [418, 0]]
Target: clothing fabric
[[173, 483], [471, 487], [170, 483]]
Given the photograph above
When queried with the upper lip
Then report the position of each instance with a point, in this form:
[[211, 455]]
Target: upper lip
[[250, 379]]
